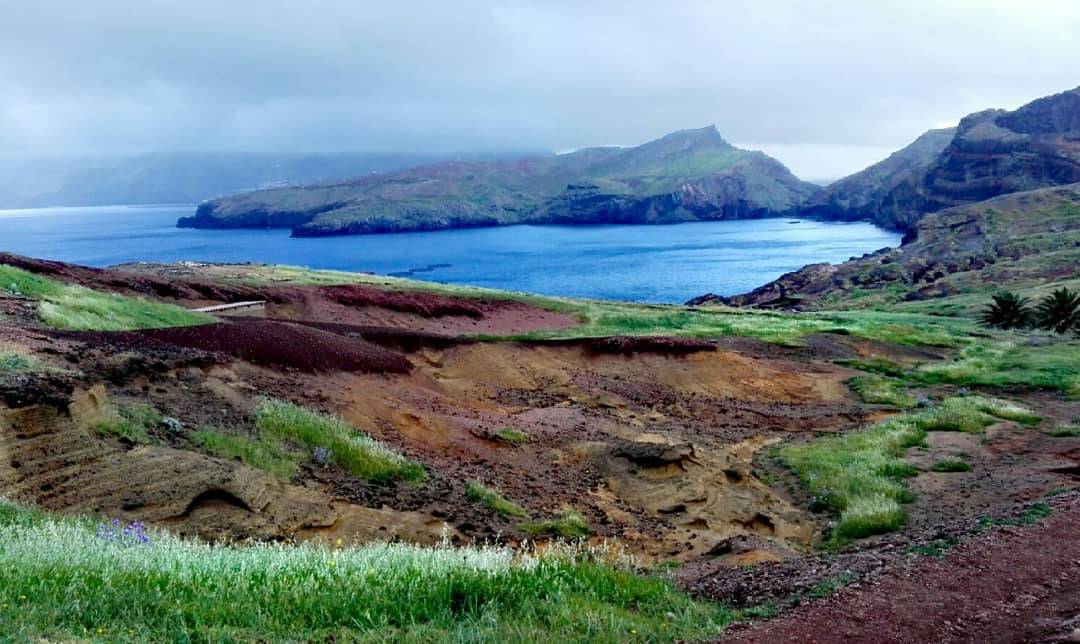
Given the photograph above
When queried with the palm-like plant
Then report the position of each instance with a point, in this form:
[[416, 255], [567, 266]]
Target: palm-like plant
[[1060, 311], [1008, 311]]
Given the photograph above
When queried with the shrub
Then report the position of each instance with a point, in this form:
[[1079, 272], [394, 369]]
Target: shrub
[[477, 491], [1008, 311], [355, 452], [1060, 311]]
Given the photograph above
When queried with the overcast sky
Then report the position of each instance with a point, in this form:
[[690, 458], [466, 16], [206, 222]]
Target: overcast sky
[[825, 86]]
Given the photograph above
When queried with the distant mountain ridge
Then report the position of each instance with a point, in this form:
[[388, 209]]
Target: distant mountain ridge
[[859, 196], [178, 177], [991, 153], [690, 175]]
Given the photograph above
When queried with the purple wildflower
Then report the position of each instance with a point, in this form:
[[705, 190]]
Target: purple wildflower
[[127, 535], [322, 455]]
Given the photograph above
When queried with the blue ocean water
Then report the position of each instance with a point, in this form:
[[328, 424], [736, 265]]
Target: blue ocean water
[[670, 263]]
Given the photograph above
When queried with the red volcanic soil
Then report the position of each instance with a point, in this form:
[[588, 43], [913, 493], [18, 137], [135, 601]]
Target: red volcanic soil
[[417, 311], [282, 344], [426, 305], [1010, 584]]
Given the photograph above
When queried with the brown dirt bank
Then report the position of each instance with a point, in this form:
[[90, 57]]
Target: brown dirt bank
[[1008, 584]]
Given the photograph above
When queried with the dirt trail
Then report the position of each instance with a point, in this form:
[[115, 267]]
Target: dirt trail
[[1011, 584]]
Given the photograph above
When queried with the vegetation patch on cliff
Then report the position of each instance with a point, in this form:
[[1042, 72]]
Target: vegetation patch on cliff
[[355, 452], [65, 306], [860, 476]]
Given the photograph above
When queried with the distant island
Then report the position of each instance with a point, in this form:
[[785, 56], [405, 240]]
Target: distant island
[[689, 175]]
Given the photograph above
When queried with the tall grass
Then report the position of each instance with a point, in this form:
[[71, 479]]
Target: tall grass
[[1005, 363], [355, 452], [70, 307], [61, 582], [270, 456], [860, 475], [881, 390]]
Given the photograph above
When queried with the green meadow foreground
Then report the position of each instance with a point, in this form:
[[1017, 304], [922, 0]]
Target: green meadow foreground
[[584, 499], [68, 578]]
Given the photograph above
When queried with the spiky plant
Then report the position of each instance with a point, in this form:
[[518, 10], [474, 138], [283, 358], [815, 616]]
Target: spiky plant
[[1008, 311], [1060, 311]]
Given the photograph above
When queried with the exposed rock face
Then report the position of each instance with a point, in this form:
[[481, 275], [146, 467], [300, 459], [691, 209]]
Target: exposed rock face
[[993, 152], [691, 175], [860, 195], [1029, 236]]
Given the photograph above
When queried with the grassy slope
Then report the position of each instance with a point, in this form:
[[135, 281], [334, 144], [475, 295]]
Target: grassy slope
[[860, 475], [59, 580], [66, 306], [606, 318], [1035, 244]]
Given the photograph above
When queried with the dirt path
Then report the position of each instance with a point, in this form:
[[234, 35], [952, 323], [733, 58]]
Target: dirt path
[[1011, 584]]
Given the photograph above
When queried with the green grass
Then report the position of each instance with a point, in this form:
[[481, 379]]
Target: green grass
[[570, 524], [12, 361], [129, 421], [879, 366], [65, 306], [860, 475], [1005, 363], [951, 465], [512, 436], [1065, 431], [971, 414], [59, 582], [605, 318], [355, 452], [267, 455], [881, 390], [494, 500], [602, 319]]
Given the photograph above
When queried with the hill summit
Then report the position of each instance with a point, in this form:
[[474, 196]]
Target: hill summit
[[689, 175]]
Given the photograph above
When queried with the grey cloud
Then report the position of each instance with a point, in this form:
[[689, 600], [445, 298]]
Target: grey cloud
[[829, 78]]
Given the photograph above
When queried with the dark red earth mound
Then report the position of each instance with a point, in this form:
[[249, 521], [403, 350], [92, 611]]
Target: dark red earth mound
[[427, 305], [284, 344], [404, 339]]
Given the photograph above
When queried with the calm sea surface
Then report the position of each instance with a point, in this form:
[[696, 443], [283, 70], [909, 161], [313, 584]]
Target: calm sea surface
[[639, 263]]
